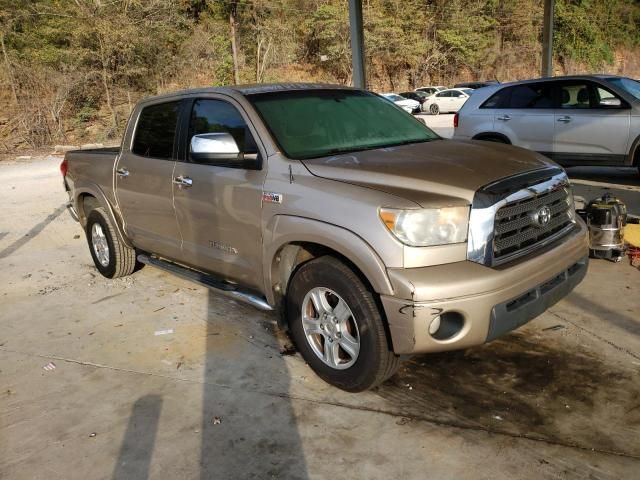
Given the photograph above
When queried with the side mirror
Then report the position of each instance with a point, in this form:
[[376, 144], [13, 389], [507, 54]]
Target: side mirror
[[214, 146], [220, 148], [610, 102]]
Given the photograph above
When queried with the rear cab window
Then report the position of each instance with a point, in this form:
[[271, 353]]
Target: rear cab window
[[156, 131]]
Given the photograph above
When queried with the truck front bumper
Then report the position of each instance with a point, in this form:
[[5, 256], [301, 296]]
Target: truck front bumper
[[473, 303]]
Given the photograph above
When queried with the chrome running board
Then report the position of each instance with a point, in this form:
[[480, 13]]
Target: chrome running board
[[225, 288]]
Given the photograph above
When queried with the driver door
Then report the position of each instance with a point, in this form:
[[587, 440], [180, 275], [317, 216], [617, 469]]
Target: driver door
[[218, 196]]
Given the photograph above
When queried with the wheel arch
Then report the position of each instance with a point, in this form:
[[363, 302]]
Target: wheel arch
[[297, 240], [489, 136], [634, 153], [86, 199]]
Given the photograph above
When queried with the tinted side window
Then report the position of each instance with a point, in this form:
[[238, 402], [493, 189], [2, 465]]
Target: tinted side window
[[574, 95], [531, 95], [500, 99], [443, 94], [156, 129], [213, 116]]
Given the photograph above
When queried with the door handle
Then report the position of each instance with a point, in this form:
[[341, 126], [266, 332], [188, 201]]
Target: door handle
[[183, 181], [564, 119], [504, 118], [122, 172]]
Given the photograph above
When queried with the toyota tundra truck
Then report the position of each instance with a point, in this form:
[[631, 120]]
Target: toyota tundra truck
[[373, 237]]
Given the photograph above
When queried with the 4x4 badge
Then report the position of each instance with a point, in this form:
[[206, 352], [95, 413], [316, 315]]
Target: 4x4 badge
[[271, 197]]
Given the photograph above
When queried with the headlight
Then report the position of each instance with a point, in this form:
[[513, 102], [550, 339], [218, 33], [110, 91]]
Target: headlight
[[427, 227]]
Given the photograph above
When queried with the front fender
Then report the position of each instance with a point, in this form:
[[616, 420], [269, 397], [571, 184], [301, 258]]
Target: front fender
[[285, 229]]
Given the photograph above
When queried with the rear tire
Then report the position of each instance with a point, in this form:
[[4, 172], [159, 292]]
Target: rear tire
[[434, 109], [111, 257], [347, 316]]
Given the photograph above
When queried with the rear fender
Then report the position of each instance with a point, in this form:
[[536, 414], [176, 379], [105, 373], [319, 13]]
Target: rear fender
[[96, 192]]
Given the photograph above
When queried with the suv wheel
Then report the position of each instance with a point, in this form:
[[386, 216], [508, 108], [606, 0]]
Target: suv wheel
[[337, 326], [434, 109], [112, 258]]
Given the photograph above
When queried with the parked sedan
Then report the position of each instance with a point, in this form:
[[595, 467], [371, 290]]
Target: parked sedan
[[577, 120], [408, 105], [447, 101]]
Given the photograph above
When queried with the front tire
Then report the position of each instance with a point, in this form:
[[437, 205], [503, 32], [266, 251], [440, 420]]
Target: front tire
[[337, 327], [111, 257], [434, 109]]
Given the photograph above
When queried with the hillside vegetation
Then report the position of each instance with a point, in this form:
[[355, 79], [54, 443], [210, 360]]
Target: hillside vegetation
[[72, 69]]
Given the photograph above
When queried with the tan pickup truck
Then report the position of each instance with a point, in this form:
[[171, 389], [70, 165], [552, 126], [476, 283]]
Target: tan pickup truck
[[372, 236]]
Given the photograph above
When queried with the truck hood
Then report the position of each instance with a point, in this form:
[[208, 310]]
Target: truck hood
[[436, 173]]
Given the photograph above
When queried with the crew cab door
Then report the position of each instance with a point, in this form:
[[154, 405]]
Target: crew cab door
[[218, 197], [592, 124], [143, 176]]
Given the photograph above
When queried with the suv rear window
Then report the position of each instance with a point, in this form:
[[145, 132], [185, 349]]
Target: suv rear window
[[156, 129], [530, 95]]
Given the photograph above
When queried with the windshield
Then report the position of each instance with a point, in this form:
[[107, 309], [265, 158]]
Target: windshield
[[468, 91], [393, 97], [317, 123], [630, 86]]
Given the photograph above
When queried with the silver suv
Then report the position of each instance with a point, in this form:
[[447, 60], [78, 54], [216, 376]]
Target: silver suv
[[580, 120]]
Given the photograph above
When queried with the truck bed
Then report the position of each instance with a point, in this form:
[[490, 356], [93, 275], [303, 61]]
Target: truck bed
[[92, 168]]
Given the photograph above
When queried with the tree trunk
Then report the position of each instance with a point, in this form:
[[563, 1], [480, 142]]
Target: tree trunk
[[258, 49], [263, 65], [9, 71], [234, 51], [105, 83]]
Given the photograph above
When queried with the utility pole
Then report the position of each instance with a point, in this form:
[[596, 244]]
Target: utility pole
[[547, 38], [357, 44]]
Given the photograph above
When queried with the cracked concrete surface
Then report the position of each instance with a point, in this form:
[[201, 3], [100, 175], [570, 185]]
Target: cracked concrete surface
[[559, 398]]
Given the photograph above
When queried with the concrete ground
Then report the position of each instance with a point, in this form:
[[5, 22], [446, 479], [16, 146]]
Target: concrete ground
[[153, 377]]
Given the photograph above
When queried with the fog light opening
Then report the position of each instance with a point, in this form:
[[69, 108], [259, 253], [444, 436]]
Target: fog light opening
[[446, 325]]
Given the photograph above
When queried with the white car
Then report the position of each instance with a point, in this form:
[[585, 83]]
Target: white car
[[431, 90], [447, 101], [408, 105], [577, 120]]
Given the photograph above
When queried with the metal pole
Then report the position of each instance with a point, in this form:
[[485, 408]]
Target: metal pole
[[547, 38], [357, 44]]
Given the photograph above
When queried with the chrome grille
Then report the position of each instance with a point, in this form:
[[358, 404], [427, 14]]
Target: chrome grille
[[516, 228]]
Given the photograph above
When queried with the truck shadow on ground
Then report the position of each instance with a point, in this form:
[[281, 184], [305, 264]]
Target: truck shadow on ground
[[523, 388], [247, 436]]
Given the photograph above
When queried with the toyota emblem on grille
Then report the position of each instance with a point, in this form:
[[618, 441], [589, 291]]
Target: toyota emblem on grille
[[542, 216]]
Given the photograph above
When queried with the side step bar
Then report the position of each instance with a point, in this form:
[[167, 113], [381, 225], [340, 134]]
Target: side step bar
[[209, 281]]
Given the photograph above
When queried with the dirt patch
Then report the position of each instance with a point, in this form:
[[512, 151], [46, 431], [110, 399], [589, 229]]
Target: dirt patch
[[525, 388]]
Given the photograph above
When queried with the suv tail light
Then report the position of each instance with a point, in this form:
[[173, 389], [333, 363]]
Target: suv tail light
[[64, 166], [455, 121]]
